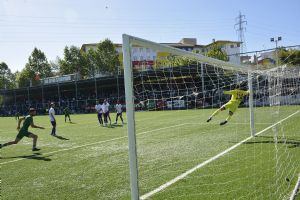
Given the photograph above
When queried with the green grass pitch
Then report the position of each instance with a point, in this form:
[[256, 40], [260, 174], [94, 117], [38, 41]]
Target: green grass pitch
[[91, 162]]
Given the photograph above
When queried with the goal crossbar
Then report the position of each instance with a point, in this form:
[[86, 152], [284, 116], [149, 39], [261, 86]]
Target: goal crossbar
[[179, 52]]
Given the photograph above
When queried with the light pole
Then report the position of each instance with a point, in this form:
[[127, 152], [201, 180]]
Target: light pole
[[118, 71], [4, 85], [276, 42], [76, 98], [96, 88]]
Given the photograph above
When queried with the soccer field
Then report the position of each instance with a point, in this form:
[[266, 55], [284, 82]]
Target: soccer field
[[91, 162]]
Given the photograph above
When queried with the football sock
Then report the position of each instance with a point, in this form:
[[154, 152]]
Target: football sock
[[215, 113], [228, 118], [208, 119]]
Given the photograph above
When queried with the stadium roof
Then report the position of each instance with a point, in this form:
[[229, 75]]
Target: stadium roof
[[183, 45], [222, 42], [180, 44]]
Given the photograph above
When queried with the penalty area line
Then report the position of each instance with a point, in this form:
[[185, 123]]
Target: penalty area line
[[90, 144], [183, 175]]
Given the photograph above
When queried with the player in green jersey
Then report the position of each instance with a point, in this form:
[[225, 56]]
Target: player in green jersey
[[28, 121], [17, 116], [237, 96], [67, 114]]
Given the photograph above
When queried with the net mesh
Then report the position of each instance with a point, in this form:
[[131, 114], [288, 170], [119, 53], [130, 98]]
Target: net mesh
[[182, 156]]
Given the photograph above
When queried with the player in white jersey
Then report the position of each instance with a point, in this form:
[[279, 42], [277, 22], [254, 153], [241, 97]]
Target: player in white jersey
[[52, 119], [119, 111], [105, 109], [99, 111]]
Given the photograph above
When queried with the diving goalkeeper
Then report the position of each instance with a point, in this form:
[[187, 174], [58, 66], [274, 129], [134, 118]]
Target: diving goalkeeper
[[237, 96]]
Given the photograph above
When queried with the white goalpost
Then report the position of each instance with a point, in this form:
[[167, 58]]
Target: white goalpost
[[130, 117], [182, 89]]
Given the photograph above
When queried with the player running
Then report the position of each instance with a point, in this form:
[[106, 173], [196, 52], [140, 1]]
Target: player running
[[98, 108], [28, 121], [119, 112], [237, 96], [67, 114]]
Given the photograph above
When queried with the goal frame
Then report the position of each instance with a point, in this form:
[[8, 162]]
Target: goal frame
[[128, 42]]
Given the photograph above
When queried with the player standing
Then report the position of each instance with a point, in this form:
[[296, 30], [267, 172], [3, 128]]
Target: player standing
[[28, 121], [17, 116], [105, 108], [52, 119], [119, 112], [237, 96], [67, 114], [98, 108]]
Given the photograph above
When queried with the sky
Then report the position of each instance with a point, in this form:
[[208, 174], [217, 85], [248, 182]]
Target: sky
[[50, 25]]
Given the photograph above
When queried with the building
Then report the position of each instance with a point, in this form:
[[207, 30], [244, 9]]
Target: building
[[267, 58], [231, 48], [145, 57]]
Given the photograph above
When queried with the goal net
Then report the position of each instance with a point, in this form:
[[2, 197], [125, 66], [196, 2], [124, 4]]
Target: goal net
[[176, 152]]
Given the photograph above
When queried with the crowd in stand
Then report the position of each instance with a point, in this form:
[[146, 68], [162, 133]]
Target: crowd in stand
[[157, 92], [83, 104]]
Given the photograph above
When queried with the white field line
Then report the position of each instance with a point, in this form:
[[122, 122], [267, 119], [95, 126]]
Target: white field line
[[100, 142], [181, 176], [296, 189], [230, 123]]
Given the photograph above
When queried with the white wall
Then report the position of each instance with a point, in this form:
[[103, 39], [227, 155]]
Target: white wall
[[230, 51]]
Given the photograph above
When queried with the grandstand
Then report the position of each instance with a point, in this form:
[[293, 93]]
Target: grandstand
[[176, 88], [79, 95]]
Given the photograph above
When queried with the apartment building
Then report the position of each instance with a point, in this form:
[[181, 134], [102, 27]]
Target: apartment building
[[144, 57]]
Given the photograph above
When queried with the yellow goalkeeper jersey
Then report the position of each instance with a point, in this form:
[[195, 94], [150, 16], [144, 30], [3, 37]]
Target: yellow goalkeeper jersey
[[237, 95]]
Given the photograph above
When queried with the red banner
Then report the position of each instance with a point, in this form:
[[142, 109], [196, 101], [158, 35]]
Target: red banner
[[145, 62]]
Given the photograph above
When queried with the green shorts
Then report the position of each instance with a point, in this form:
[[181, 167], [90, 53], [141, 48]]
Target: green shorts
[[23, 133]]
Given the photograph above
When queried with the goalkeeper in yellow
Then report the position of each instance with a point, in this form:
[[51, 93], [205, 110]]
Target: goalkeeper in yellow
[[237, 96]]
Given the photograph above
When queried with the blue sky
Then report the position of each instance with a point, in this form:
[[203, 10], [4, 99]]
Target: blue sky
[[50, 25]]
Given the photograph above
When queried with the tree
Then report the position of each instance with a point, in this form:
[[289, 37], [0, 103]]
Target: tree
[[11, 80], [55, 66], [173, 61], [73, 62], [25, 77], [3, 72], [39, 64], [93, 61], [36, 68], [216, 52], [290, 57], [105, 58], [7, 78], [109, 56]]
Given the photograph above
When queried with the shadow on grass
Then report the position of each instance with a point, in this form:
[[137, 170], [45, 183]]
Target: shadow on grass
[[117, 125], [291, 142], [110, 126], [61, 137], [72, 122], [34, 156]]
